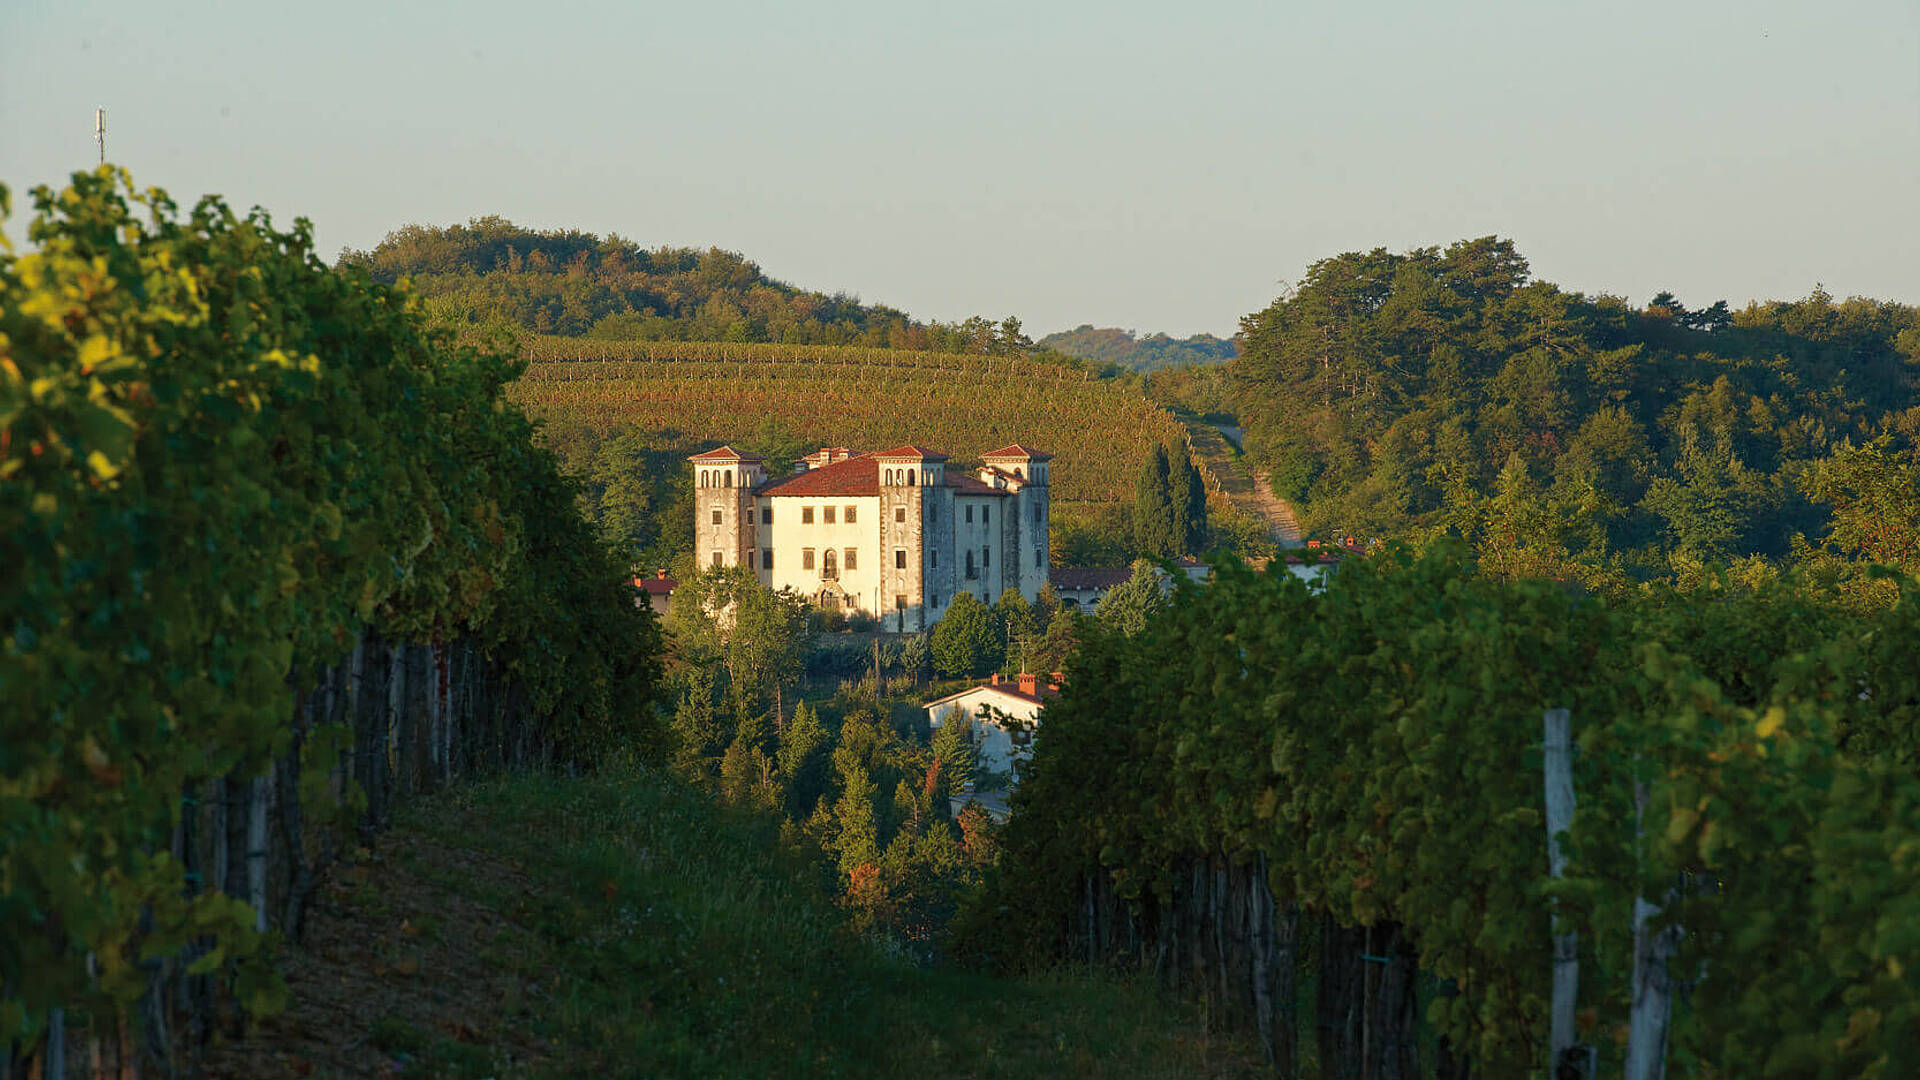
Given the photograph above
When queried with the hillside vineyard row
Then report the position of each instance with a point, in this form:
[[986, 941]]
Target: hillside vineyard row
[[965, 405]]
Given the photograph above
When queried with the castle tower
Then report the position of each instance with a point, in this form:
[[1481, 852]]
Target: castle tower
[[724, 530], [916, 510], [1025, 472]]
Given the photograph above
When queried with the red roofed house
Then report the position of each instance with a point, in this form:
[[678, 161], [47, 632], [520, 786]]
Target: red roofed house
[[1005, 737], [894, 534], [658, 589]]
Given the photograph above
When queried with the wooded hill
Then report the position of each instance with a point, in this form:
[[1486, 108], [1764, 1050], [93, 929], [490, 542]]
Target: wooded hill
[[1111, 345], [1404, 394], [568, 282]]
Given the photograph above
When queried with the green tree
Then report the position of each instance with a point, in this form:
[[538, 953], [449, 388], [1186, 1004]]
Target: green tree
[[1058, 643], [1127, 606], [724, 615], [856, 830], [1875, 496], [802, 761], [1154, 524], [964, 641], [954, 754], [699, 731], [1019, 625]]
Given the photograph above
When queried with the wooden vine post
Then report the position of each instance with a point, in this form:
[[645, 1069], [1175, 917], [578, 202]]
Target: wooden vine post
[[1652, 984], [1568, 1059]]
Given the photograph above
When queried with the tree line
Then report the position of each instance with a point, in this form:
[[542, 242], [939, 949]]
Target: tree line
[[1263, 776]]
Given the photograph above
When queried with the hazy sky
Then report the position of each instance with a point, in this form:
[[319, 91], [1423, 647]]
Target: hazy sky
[[1156, 166]]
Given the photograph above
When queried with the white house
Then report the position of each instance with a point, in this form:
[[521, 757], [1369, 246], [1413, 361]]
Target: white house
[[896, 534], [1003, 739]]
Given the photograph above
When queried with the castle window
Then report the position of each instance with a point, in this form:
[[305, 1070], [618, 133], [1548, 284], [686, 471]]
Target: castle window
[[969, 515], [716, 558], [849, 517], [749, 560], [933, 511], [1018, 473], [909, 477], [935, 556], [899, 603], [986, 557], [829, 566], [766, 515], [806, 558], [703, 478], [889, 477], [971, 572], [985, 513], [766, 558], [850, 563], [729, 475], [1037, 556], [829, 515], [899, 514], [806, 515], [1038, 513], [936, 600], [716, 517], [899, 558]]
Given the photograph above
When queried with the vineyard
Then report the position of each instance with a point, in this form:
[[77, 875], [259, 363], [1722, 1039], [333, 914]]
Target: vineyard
[[691, 394], [278, 559], [1269, 785]]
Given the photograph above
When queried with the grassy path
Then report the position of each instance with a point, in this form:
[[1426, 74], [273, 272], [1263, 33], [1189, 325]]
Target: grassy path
[[1217, 451], [629, 928]]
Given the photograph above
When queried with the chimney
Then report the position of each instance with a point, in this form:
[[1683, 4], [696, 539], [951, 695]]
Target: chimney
[[660, 575], [1056, 680], [995, 681], [1027, 685]]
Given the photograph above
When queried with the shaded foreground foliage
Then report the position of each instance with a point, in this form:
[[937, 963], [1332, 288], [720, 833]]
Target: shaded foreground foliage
[[278, 556], [1262, 765]]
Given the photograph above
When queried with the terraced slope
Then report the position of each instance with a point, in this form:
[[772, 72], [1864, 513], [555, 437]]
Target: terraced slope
[[689, 394]]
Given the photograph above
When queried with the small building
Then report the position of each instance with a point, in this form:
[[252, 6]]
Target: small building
[[1003, 739], [657, 589]]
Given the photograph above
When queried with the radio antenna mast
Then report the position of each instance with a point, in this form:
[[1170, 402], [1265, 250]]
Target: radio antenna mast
[[100, 131]]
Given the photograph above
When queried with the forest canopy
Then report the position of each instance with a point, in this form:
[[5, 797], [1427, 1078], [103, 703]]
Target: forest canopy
[[1449, 391], [574, 283]]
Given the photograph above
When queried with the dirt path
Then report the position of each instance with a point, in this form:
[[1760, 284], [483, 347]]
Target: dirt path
[[1217, 450]]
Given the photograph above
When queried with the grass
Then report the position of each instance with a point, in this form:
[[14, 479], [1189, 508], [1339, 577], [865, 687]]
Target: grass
[[629, 927]]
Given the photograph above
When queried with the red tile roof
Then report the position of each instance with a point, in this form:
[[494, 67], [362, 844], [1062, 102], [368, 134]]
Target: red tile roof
[[1018, 451], [1087, 577], [854, 476], [656, 586], [726, 453], [912, 451], [963, 484]]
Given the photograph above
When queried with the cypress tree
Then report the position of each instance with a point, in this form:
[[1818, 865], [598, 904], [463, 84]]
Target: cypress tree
[[1152, 508]]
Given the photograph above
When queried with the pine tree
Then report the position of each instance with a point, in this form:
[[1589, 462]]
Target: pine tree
[[698, 729], [953, 750], [856, 838]]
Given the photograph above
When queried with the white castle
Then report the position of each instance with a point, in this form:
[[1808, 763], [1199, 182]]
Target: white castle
[[892, 534]]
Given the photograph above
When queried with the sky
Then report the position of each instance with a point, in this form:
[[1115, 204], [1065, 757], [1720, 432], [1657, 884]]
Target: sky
[[1153, 166]]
